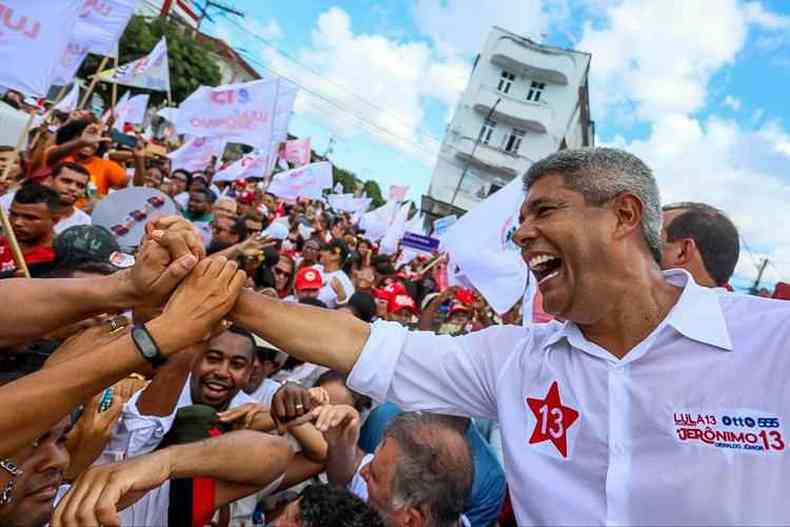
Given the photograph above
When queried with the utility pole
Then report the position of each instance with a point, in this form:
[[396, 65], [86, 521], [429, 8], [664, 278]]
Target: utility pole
[[756, 287], [222, 8]]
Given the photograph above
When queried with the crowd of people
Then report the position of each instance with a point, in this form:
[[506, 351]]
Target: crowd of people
[[260, 361]]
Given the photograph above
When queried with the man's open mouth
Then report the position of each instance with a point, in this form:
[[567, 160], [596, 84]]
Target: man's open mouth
[[545, 267]]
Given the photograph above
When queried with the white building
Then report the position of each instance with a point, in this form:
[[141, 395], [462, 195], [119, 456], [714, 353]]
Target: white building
[[524, 101]]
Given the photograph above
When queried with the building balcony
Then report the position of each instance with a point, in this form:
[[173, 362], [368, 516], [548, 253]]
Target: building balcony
[[532, 62], [487, 157], [532, 116]]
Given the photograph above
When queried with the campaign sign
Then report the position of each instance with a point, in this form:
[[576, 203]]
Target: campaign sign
[[419, 242]]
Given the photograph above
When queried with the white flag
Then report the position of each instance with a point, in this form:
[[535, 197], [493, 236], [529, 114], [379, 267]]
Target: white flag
[[71, 100], [245, 113], [338, 188], [33, 38], [348, 203], [480, 243], [398, 192], [66, 68], [196, 154], [151, 72], [131, 111], [376, 222], [252, 165], [416, 224], [305, 182], [101, 24], [395, 231], [116, 110]]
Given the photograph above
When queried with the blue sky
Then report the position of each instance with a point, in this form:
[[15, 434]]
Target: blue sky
[[696, 88]]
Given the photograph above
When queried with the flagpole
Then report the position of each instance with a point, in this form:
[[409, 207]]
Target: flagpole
[[115, 84], [92, 85]]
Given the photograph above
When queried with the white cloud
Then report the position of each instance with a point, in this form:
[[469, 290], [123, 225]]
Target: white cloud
[[381, 80], [739, 170], [461, 26], [732, 102]]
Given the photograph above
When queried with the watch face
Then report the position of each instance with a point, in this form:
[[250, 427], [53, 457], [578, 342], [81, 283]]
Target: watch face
[[146, 347]]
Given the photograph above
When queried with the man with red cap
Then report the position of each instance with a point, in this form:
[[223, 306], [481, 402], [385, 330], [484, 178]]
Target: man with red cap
[[308, 283], [401, 308]]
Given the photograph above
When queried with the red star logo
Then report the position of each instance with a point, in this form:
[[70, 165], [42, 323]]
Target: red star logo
[[554, 419]]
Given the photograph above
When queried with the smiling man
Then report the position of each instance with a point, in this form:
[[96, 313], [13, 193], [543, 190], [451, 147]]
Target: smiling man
[[658, 401]]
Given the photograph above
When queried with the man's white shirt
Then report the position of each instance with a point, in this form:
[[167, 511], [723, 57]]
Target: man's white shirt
[[78, 217], [690, 427]]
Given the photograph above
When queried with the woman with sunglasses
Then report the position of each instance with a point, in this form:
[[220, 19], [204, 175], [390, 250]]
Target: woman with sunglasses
[[283, 275]]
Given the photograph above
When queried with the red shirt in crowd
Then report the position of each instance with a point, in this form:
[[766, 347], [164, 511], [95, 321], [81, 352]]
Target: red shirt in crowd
[[35, 255]]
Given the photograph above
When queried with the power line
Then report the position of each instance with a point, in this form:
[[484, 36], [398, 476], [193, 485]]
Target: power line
[[312, 70]]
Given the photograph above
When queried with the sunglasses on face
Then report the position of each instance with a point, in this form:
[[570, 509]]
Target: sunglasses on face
[[281, 272]]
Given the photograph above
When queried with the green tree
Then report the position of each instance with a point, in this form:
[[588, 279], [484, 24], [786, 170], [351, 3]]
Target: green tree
[[191, 64], [374, 192]]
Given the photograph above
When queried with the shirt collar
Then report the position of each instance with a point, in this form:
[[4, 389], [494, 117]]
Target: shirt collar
[[697, 315]]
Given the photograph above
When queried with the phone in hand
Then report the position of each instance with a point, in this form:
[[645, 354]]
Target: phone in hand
[[124, 140]]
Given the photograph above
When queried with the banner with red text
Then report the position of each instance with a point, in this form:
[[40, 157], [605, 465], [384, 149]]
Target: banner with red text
[[196, 154], [33, 38], [252, 165]]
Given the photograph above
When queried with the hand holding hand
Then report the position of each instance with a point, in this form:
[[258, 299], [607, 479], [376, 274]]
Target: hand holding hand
[[203, 299], [291, 402], [338, 423]]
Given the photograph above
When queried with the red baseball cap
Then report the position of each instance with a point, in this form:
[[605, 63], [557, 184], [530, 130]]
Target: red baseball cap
[[465, 296], [401, 301], [308, 278], [381, 294]]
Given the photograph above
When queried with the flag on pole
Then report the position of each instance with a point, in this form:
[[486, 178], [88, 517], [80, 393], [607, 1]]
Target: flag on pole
[[151, 72], [196, 154], [395, 231], [115, 109], [131, 110], [306, 182], [251, 113], [376, 222], [338, 188], [252, 165], [398, 192], [66, 68], [101, 24], [348, 203], [480, 244], [69, 103], [35, 35]]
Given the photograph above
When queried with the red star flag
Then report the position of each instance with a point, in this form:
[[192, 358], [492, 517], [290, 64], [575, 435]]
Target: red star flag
[[33, 37]]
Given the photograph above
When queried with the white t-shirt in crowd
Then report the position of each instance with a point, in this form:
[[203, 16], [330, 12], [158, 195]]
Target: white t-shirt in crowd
[[687, 428], [182, 198], [265, 392], [327, 295], [78, 217]]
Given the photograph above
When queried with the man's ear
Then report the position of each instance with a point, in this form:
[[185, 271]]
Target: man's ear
[[412, 517], [687, 250], [629, 210]]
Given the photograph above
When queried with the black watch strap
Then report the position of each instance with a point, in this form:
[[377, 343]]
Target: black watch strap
[[146, 345]]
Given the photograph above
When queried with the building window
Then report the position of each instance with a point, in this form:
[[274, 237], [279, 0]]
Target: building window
[[535, 91], [513, 140], [505, 81], [486, 131]]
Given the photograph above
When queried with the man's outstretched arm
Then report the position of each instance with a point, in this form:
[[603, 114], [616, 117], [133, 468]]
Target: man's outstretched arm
[[247, 460], [330, 338]]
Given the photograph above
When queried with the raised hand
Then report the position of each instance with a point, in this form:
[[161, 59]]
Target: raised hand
[[253, 416], [291, 403], [338, 423]]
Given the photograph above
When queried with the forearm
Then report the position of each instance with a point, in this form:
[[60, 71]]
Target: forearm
[[314, 446], [33, 404], [160, 396], [311, 334], [58, 152], [139, 171], [342, 461], [244, 456], [48, 304]]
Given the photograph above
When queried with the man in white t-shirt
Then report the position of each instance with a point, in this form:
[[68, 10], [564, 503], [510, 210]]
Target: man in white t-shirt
[[70, 180], [338, 287]]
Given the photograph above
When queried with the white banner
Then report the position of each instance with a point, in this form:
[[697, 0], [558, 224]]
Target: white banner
[[71, 100], [252, 165], [254, 113], [348, 203], [151, 72], [376, 222], [196, 154], [101, 24], [131, 111], [395, 231], [66, 68], [306, 182], [33, 39], [480, 244], [398, 192]]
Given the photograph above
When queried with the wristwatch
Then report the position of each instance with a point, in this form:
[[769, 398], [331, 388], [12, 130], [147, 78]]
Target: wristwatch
[[146, 345]]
